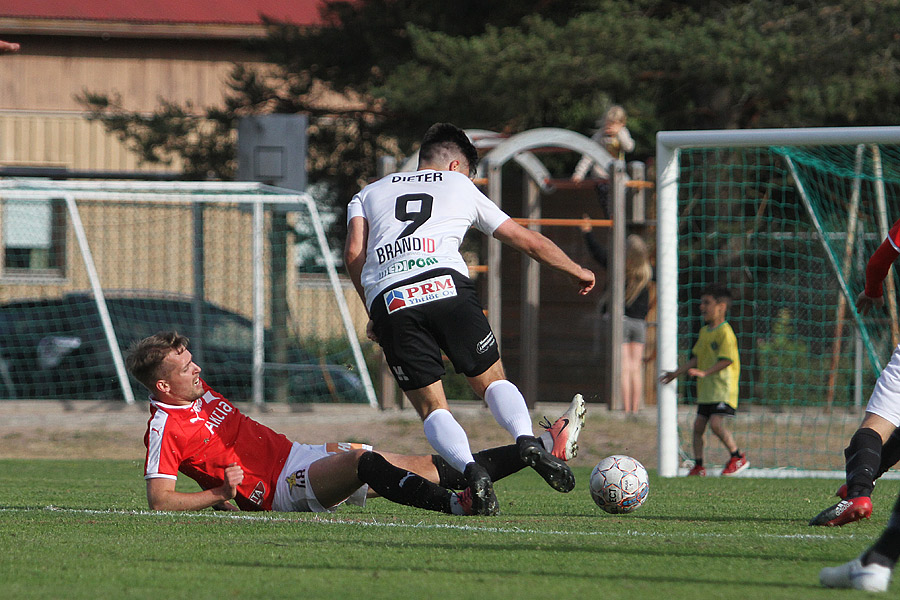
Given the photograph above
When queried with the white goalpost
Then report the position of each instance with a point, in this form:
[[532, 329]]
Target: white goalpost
[[215, 259], [767, 213]]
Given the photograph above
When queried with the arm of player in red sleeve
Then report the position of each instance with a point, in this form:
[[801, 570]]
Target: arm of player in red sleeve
[[878, 266], [161, 494], [876, 271]]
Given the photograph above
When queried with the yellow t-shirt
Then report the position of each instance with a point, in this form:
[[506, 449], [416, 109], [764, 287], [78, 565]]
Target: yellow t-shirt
[[713, 345]]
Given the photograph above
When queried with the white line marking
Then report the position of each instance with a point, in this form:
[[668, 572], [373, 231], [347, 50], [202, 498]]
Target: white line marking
[[371, 522]]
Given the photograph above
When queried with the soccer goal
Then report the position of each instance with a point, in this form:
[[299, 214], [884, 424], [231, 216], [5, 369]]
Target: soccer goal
[[786, 219], [243, 269]]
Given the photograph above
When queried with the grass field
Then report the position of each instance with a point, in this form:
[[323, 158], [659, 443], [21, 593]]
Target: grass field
[[80, 529]]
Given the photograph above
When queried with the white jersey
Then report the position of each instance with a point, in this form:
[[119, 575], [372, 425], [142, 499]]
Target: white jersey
[[417, 222]]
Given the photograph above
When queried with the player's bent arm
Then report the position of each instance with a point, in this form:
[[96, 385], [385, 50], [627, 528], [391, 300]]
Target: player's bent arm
[[355, 252], [720, 364], [541, 249], [161, 494]]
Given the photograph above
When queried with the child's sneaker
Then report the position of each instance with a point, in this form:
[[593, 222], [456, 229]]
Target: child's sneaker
[[845, 511], [736, 464], [870, 578], [561, 438], [697, 471]]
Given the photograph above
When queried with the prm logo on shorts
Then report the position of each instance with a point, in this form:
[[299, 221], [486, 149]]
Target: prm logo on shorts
[[429, 290]]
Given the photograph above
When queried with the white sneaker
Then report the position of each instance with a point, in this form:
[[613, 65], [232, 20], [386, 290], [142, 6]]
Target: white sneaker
[[561, 438], [871, 578]]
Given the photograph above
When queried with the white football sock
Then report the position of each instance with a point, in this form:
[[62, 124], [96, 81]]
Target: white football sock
[[508, 407], [448, 438]]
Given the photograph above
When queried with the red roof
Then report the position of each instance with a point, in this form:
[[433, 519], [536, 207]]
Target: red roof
[[232, 12]]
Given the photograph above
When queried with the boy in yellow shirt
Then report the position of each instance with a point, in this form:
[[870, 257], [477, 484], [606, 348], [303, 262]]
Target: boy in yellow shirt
[[717, 366]]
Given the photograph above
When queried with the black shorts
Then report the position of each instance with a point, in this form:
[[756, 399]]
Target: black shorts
[[421, 325], [707, 410]]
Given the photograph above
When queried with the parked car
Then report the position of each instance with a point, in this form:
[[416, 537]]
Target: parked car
[[56, 349]]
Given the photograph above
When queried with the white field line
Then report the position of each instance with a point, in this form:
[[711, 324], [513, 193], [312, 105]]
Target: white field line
[[420, 525]]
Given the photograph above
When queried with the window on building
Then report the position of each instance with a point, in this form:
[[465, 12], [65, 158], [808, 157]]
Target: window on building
[[34, 237]]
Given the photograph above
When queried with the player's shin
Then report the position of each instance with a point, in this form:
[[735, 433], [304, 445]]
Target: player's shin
[[401, 486], [863, 456]]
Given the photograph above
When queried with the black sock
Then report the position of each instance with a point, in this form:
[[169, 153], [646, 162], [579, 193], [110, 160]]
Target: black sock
[[736, 453], [499, 462], [698, 462], [401, 486], [886, 550], [890, 454], [863, 456]]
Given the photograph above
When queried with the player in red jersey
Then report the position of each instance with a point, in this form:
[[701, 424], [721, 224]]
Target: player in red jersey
[[874, 448], [196, 431]]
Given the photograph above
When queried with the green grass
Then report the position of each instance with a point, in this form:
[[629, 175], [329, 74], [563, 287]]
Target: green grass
[[80, 529]]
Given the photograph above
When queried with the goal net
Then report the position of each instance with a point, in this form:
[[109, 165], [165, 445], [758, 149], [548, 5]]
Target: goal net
[[243, 269], [786, 219]]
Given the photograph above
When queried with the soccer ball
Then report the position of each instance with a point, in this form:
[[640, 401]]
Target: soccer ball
[[619, 484]]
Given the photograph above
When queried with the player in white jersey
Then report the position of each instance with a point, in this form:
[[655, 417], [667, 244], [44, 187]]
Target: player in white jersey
[[402, 253]]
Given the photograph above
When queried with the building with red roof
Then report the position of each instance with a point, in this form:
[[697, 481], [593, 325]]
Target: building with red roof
[[141, 52]]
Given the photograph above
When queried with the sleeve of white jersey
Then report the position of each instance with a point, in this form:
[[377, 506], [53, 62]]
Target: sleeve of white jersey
[[488, 215], [355, 208]]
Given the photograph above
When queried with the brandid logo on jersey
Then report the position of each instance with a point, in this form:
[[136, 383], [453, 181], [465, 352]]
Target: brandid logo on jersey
[[436, 288], [403, 246]]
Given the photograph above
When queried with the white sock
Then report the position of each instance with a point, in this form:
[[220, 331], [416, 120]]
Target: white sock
[[448, 438], [508, 407]]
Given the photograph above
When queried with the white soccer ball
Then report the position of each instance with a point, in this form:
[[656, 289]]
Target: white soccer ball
[[619, 484]]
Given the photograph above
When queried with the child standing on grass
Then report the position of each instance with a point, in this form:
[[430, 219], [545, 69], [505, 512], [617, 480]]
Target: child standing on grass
[[716, 365]]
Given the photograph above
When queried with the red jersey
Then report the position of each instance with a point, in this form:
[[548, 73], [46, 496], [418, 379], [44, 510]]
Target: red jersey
[[880, 262], [202, 438]]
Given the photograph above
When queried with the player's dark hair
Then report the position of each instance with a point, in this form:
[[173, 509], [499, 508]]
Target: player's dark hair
[[447, 138], [719, 292], [145, 357]]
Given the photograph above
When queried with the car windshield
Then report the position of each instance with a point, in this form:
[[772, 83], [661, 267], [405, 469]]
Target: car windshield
[[137, 318]]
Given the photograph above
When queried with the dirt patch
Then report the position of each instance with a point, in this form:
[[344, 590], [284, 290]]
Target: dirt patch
[[96, 430]]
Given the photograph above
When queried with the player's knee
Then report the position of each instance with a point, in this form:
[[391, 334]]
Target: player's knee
[[366, 463]]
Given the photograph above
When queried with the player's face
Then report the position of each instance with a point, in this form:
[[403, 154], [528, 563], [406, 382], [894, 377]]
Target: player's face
[[182, 382]]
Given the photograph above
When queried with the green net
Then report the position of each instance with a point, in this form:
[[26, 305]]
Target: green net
[[789, 231]]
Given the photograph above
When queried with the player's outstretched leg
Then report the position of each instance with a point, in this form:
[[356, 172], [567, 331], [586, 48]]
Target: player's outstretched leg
[[870, 578], [554, 471], [484, 501], [890, 456], [863, 456], [402, 486], [561, 438]]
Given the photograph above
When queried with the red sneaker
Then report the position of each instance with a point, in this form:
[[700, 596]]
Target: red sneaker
[[697, 471], [845, 511], [736, 465]]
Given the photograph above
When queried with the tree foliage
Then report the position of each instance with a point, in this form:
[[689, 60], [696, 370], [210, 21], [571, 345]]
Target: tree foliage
[[512, 65]]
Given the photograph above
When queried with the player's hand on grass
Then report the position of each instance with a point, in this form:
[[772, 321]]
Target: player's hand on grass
[[866, 303]]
